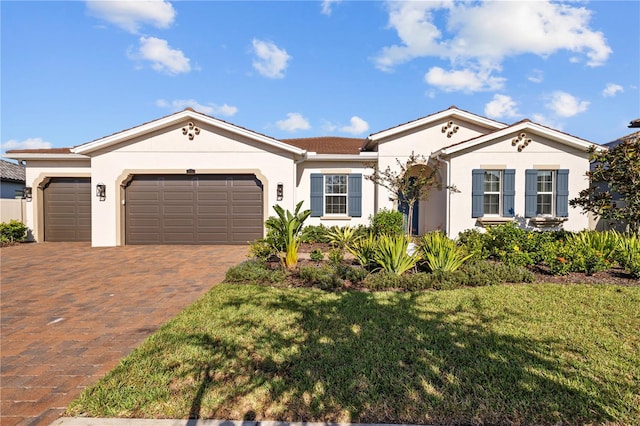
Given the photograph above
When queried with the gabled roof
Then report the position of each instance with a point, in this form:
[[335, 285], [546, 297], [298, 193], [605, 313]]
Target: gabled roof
[[635, 136], [181, 117], [451, 112], [328, 144], [524, 125], [11, 172]]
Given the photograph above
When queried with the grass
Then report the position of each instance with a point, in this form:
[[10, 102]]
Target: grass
[[526, 354]]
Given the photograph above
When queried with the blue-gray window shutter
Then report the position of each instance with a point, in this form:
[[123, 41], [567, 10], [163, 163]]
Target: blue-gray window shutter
[[562, 193], [531, 193], [355, 195], [508, 193], [477, 193], [317, 194]]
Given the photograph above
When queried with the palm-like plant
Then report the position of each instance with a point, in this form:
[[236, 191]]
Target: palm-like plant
[[392, 256], [288, 227], [364, 249], [342, 237], [440, 253]]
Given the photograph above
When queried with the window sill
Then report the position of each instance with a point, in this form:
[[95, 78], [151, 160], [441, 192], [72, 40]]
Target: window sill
[[547, 222], [335, 217], [494, 220]]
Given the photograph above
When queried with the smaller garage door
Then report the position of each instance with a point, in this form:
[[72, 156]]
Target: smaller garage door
[[200, 209], [67, 209]]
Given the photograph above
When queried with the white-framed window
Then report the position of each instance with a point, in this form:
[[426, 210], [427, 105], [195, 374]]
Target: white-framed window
[[545, 196], [335, 194], [492, 192]]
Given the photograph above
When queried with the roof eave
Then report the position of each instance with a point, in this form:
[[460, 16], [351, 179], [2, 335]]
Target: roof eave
[[366, 156], [176, 118], [45, 156]]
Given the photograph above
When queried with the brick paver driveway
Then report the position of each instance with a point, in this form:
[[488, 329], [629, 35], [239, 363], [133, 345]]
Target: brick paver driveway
[[69, 312]]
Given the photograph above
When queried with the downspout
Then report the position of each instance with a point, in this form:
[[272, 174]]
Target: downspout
[[295, 175]]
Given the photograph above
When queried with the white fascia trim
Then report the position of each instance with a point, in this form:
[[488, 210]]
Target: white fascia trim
[[37, 156], [540, 130], [368, 156], [178, 117], [449, 113]]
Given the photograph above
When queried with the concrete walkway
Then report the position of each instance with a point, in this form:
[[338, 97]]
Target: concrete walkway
[[70, 312]]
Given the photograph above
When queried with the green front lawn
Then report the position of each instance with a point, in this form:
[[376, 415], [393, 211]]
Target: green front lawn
[[524, 354]]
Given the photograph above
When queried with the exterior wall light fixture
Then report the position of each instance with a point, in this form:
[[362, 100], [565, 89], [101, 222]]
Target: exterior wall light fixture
[[280, 191], [27, 193], [101, 191]]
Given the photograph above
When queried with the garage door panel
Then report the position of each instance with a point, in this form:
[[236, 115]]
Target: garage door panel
[[193, 209], [67, 209]]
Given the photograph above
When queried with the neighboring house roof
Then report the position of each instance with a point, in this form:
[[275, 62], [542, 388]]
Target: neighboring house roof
[[180, 117], [328, 144], [11, 172], [634, 123], [524, 125], [630, 136], [451, 112]]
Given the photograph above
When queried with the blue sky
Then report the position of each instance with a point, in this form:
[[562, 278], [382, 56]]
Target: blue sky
[[76, 71]]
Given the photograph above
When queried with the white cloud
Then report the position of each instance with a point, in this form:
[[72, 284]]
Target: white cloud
[[163, 58], [543, 119], [536, 76], [327, 6], [209, 109], [612, 89], [501, 106], [270, 60], [30, 143], [564, 104], [357, 126], [295, 121], [465, 80], [131, 15], [478, 36]]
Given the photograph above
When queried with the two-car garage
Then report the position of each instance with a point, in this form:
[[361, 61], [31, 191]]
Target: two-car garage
[[163, 209]]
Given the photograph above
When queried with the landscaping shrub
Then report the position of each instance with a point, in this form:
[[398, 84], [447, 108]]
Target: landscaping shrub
[[391, 254], [341, 237], [324, 277], [628, 254], [336, 256], [13, 231], [474, 243], [286, 230], [484, 273], [316, 255], [315, 234], [355, 274], [587, 252], [440, 253], [262, 249], [363, 250], [254, 271], [382, 281], [387, 222]]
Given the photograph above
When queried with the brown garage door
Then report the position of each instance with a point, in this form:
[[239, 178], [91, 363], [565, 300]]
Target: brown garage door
[[67, 209], [200, 209]]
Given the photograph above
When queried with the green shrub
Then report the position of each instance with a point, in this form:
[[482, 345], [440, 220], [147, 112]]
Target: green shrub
[[316, 255], [484, 273], [355, 274], [474, 243], [391, 254], [13, 231], [262, 250], [628, 254], [363, 250], [315, 234], [342, 237], [558, 257], [254, 271], [387, 222], [324, 277], [440, 253], [382, 281], [285, 230], [336, 256]]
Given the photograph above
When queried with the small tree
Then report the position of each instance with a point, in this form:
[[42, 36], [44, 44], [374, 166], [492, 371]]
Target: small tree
[[616, 171], [409, 182], [287, 228]]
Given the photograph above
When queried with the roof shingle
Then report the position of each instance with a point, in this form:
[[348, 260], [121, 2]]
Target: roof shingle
[[328, 144], [11, 171]]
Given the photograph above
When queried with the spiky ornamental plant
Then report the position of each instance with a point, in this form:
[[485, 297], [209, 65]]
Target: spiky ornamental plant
[[392, 256], [288, 226], [409, 182]]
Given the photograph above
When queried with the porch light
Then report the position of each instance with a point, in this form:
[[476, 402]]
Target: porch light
[[101, 191], [280, 191], [27, 193]]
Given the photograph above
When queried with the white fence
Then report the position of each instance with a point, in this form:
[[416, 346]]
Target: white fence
[[12, 209]]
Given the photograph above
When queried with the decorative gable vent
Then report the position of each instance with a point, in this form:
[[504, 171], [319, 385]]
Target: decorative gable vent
[[190, 130], [450, 128], [521, 140]]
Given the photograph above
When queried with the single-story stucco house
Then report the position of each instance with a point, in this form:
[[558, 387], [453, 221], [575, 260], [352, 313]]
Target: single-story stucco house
[[189, 178]]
